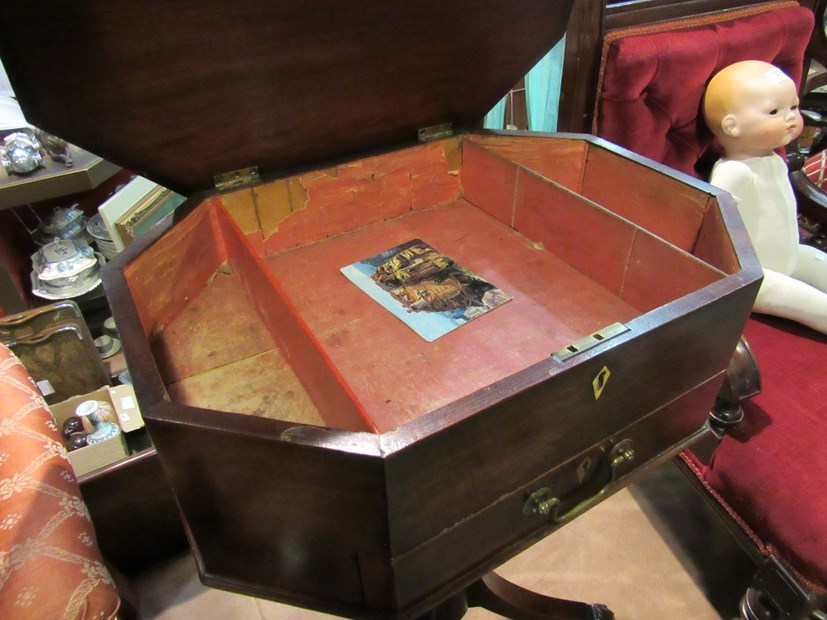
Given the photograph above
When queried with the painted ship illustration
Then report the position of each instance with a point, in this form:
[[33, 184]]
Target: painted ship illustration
[[434, 296], [425, 280], [413, 264]]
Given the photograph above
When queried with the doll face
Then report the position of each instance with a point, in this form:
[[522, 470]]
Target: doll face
[[766, 116]]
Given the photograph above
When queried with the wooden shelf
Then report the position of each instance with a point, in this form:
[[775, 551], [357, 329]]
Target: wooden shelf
[[54, 179]]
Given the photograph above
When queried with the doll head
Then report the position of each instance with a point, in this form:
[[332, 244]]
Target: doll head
[[752, 108]]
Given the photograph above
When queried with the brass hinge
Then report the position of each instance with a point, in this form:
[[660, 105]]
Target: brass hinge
[[435, 132], [236, 178]]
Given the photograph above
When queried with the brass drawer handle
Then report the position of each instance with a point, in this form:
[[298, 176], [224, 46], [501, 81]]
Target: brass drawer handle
[[544, 502]]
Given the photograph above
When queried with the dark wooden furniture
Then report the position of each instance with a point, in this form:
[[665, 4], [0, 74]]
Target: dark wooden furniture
[[55, 179], [322, 453], [136, 518], [808, 180], [339, 486]]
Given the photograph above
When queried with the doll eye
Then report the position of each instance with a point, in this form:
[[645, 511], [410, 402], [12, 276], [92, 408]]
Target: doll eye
[[774, 111]]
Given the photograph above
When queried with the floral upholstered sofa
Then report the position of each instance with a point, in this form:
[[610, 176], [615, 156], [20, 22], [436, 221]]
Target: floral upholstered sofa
[[50, 566]]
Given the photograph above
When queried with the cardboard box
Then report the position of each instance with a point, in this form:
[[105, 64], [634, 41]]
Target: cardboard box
[[115, 364], [122, 399], [126, 406]]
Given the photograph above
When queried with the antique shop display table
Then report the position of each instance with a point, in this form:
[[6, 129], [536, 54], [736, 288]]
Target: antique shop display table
[[322, 452]]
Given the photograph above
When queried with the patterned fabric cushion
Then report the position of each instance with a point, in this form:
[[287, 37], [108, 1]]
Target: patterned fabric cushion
[[50, 566], [652, 78]]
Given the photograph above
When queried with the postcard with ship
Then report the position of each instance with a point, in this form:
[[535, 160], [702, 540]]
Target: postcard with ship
[[428, 291]]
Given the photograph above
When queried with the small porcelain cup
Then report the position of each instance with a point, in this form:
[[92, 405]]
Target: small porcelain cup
[[107, 346], [110, 328], [104, 344]]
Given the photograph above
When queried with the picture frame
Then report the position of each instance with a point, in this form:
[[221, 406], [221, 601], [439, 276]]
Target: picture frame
[[135, 208], [157, 204]]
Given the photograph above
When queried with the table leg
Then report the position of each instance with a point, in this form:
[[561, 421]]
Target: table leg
[[496, 594], [452, 609]]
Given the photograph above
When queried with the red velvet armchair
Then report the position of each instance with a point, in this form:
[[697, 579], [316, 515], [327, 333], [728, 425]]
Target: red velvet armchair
[[767, 473]]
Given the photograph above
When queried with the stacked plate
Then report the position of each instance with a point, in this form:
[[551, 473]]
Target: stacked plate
[[65, 268], [100, 235]]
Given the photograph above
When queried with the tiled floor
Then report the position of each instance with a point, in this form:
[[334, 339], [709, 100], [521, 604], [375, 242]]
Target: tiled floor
[[651, 552]]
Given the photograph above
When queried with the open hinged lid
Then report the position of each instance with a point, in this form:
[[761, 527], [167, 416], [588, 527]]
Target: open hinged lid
[[183, 90]]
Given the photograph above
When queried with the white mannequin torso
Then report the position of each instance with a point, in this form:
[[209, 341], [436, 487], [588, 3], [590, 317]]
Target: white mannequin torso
[[767, 205], [795, 276]]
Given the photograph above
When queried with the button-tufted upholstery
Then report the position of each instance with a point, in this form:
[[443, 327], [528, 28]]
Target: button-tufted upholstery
[[652, 78], [50, 567]]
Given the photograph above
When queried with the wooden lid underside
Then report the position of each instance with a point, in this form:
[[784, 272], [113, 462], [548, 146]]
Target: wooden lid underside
[[180, 91]]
